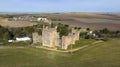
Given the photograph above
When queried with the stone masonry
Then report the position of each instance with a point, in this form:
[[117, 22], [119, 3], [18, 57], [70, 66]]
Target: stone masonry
[[36, 38], [70, 39], [50, 38]]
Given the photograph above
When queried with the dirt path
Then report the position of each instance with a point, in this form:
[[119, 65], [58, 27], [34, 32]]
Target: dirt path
[[6, 47], [52, 49], [66, 51]]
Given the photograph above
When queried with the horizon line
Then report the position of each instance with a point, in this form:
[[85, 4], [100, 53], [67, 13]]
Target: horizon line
[[1, 12]]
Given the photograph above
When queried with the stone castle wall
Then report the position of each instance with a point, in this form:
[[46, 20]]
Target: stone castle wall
[[70, 39], [50, 38], [36, 38]]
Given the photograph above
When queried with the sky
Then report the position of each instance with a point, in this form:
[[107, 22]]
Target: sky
[[60, 6]]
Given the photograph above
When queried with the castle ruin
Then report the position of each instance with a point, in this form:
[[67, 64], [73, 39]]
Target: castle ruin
[[70, 39], [50, 38], [36, 37]]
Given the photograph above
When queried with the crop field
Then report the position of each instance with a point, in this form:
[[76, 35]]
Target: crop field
[[15, 24], [90, 20], [85, 20], [105, 54]]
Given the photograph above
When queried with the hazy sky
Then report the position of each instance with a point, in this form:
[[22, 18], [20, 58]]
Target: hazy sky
[[59, 5]]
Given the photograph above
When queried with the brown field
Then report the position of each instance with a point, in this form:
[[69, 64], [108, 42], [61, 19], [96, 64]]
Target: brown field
[[93, 21], [85, 20], [16, 23]]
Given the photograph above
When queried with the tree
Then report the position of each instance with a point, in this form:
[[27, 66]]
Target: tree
[[88, 29], [6, 36], [63, 29], [39, 31], [4, 33], [97, 33], [53, 25], [105, 31], [83, 34]]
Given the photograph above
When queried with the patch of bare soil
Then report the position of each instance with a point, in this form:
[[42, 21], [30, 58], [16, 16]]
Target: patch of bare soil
[[17, 23]]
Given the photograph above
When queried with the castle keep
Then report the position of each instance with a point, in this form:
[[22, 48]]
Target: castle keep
[[50, 37]]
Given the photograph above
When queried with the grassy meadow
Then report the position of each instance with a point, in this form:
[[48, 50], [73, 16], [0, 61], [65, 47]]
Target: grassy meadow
[[81, 43], [105, 54]]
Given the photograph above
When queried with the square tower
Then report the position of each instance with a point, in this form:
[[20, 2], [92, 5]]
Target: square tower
[[50, 37]]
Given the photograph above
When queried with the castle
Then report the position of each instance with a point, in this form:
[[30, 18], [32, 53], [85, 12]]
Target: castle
[[50, 38], [70, 39]]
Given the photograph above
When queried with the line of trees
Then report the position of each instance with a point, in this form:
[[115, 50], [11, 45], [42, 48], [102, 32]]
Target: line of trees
[[107, 33], [104, 33], [64, 30], [12, 33], [21, 32]]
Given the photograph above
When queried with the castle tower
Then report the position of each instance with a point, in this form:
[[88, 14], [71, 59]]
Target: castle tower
[[75, 34], [70, 39], [50, 37]]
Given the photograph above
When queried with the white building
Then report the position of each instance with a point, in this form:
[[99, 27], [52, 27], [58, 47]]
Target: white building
[[10, 41], [23, 39], [41, 19]]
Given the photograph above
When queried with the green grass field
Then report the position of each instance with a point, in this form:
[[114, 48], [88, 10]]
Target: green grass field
[[105, 54], [82, 42]]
